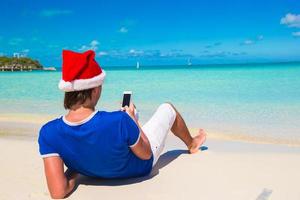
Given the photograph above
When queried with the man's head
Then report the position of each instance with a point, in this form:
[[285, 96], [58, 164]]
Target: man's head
[[84, 98], [80, 71], [82, 79]]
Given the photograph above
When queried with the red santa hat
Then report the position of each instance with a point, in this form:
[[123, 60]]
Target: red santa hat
[[80, 71]]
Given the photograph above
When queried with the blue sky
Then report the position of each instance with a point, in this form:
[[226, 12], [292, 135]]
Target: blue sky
[[153, 32]]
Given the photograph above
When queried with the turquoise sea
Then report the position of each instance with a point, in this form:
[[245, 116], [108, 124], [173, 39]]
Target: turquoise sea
[[256, 99]]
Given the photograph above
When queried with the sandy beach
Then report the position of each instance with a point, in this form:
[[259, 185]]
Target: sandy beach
[[223, 169]]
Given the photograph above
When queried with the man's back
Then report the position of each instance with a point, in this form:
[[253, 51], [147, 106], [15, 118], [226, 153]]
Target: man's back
[[98, 146]]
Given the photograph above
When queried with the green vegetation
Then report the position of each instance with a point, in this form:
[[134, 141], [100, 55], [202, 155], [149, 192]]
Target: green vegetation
[[19, 64]]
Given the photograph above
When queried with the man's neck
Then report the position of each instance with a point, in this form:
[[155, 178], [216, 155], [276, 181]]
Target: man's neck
[[79, 114]]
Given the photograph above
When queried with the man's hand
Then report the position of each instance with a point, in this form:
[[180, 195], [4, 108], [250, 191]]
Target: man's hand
[[131, 111], [142, 148]]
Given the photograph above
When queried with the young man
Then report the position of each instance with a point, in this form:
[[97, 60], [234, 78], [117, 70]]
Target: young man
[[102, 144]]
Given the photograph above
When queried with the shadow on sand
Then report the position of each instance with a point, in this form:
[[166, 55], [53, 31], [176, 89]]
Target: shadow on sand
[[163, 161]]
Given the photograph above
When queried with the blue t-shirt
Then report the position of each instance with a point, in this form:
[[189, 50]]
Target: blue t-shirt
[[97, 147]]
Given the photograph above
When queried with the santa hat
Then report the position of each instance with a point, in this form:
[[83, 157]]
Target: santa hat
[[80, 71]]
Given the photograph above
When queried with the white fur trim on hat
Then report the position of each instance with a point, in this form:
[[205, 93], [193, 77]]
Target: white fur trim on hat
[[82, 84]]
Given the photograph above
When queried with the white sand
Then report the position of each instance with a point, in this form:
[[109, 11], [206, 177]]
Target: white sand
[[226, 170]]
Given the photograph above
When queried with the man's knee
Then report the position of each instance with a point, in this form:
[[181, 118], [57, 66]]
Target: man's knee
[[172, 113], [169, 106], [166, 105]]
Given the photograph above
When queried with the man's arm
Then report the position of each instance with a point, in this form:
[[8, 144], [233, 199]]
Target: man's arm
[[142, 148], [59, 184]]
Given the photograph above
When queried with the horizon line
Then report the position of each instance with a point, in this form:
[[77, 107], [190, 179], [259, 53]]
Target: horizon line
[[205, 65]]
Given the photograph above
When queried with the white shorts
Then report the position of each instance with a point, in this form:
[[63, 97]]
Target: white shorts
[[157, 128]]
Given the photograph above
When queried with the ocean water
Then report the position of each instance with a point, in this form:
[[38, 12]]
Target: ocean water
[[255, 100]]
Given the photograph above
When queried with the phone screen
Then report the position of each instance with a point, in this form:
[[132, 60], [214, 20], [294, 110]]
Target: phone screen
[[126, 100]]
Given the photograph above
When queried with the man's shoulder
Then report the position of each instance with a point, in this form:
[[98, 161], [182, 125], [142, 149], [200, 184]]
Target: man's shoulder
[[50, 125], [115, 114]]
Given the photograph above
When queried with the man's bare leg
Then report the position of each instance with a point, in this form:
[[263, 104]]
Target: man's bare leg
[[180, 129]]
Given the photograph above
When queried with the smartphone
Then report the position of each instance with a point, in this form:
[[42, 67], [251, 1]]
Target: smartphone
[[126, 98]]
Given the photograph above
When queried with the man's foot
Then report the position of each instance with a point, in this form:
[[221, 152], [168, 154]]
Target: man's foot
[[197, 141]]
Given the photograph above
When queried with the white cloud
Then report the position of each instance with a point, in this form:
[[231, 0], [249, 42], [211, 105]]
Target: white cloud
[[93, 46], [174, 54], [102, 53], [54, 12], [134, 52], [83, 48], [253, 41], [296, 34], [123, 30], [291, 20], [150, 54], [248, 42], [94, 43]]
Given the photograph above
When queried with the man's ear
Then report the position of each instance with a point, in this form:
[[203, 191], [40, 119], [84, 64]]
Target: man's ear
[[95, 91], [99, 89]]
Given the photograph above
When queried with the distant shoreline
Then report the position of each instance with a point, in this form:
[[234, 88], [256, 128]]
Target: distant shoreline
[[206, 65], [195, 66], [20, 63], [28, 70]]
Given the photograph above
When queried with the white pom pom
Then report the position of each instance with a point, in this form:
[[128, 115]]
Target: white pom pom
[[65, 86]]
